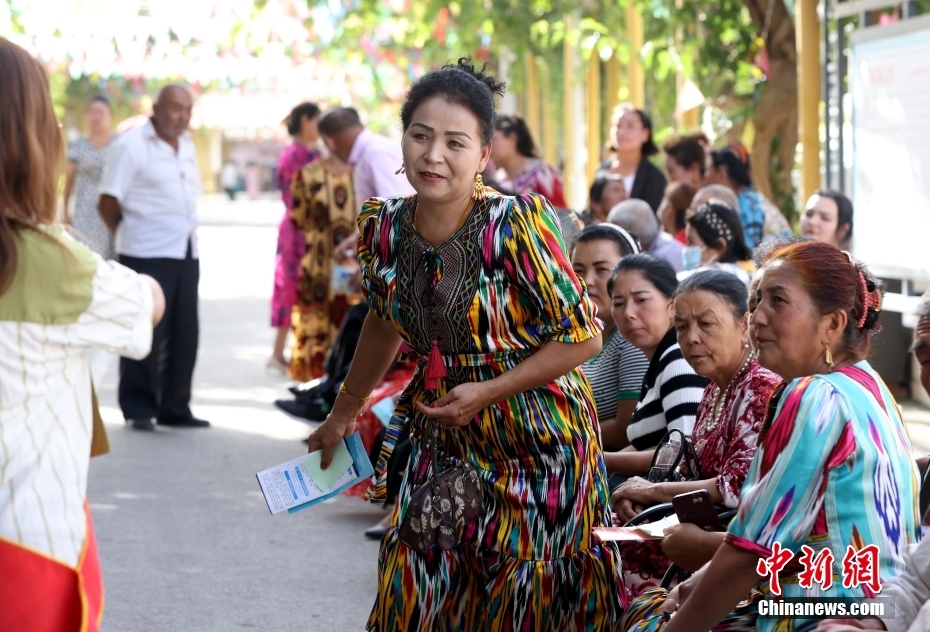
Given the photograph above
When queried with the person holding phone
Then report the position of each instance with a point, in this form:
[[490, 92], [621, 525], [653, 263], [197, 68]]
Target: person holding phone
[[712, 328]]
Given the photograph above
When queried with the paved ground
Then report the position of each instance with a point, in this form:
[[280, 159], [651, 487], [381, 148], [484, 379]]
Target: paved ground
[[186, 541]]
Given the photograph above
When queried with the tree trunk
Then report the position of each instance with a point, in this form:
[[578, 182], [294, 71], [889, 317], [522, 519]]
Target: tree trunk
[[776, 114]]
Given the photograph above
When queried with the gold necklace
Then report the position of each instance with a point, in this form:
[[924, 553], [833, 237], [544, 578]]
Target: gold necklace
[[416, 213], [721, 396]]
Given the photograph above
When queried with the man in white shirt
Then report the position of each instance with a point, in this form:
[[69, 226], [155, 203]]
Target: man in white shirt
[[147, 199]]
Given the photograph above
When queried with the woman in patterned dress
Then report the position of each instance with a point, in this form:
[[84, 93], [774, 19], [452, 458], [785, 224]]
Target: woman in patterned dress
[[711, 324], [301, 125], [834, 469], [87, 157], [511, 323], [325, 211], [57, 300]]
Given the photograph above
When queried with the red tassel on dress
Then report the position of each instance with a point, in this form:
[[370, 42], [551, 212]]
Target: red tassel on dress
[[435, 369]]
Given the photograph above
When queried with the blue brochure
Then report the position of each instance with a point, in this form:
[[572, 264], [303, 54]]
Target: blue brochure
[[300, 483]]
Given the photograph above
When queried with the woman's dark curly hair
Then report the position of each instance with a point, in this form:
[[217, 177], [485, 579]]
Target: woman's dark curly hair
[[513, 124], [293, 120], [460, 83]]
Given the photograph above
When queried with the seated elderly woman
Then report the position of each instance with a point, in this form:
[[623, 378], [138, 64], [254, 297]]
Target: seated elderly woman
[[835, 422], [711, 325], [714, 235], [616, 372], [642, 288]]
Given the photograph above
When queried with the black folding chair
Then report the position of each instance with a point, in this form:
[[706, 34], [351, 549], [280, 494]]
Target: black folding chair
[[675, 571], [663, 510]]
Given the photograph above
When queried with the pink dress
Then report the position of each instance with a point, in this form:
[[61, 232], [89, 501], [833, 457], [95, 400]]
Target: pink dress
[[291, 242]]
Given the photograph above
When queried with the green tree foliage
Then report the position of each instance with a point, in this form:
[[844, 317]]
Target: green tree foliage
[[715, 43]]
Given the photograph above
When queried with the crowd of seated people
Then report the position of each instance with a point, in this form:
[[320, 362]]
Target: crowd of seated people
[[763, 384]]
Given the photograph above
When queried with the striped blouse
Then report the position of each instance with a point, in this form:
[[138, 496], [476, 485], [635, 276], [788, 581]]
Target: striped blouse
[[669, 399], [616, 373]]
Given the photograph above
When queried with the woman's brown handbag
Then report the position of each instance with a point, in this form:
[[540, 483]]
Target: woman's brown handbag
[[440, 508]]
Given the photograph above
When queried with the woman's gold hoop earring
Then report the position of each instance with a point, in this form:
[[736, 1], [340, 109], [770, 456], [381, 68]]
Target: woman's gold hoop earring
[[829, 358], [402, 169], [479, 188]]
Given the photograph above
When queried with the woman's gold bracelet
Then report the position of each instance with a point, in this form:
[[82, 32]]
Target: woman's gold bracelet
[[344, 391]]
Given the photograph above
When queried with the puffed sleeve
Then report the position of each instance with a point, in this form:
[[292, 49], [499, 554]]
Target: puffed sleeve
[[119, 317], [375, 252], [784, 489], [535, 256]]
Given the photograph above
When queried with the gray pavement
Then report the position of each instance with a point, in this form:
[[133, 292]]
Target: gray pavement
[[186, 541]]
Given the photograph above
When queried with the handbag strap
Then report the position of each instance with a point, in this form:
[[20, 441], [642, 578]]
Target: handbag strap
[[685, 450], [695, 463]]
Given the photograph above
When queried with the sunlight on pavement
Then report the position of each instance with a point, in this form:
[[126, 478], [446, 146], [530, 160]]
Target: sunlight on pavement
[[237, 244], [250, 420]]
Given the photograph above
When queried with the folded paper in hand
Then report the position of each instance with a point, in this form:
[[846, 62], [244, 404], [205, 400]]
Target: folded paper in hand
[[300, 483], [652, 531]]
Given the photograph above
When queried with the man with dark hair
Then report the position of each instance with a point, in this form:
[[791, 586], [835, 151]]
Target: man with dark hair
[[374, 158], [148, 199]]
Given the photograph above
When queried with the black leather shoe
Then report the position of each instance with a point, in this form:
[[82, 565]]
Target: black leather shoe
[[306, 388], [142, 423], [303, 409], [376, 532], [183, 422]]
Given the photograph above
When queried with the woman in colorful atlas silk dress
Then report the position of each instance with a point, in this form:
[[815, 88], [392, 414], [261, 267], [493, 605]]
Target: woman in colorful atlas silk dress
[[325, 211], [484, 278], [57, 300], [834, 468], [301, 125]]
